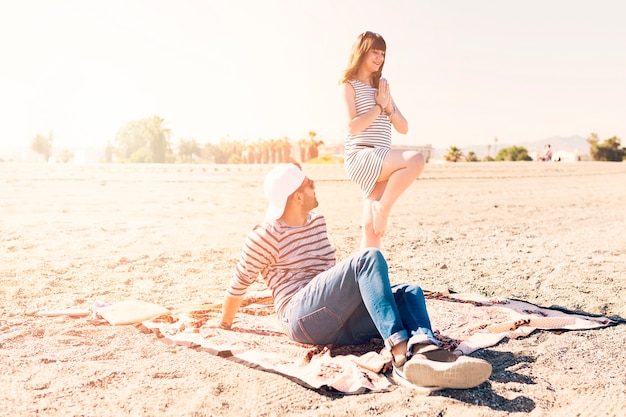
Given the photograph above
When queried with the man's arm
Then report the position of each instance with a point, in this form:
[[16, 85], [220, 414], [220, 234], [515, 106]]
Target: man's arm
[[253, 259], [229, 310]]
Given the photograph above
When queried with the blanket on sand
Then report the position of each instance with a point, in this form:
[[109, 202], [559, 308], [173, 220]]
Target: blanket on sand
[[462, 323]]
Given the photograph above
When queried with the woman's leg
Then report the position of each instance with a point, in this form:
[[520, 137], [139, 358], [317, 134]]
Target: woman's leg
[[369, 239], [400, 170], [348, 304]]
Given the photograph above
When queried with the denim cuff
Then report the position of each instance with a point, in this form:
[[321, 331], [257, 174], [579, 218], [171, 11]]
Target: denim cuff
[[397, 338], [421, 337]]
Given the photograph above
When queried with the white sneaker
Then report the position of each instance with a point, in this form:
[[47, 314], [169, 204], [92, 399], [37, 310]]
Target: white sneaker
[[465, 372]]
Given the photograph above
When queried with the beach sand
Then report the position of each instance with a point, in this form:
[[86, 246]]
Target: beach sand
[[553, 234]]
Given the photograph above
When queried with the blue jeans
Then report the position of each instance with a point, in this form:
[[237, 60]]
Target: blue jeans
[[354, 302]]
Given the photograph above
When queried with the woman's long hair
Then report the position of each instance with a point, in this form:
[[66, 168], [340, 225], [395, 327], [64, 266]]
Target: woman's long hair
[[363, 44]]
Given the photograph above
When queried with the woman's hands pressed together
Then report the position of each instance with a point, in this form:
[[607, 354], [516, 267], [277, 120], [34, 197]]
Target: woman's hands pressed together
[[383, 95]]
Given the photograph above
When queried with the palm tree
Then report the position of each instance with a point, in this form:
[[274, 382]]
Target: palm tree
[[302, 145], [158, 138], [454, 154], [471, 157], [145, 140], [43, 145], [187, 150], [66, 155]]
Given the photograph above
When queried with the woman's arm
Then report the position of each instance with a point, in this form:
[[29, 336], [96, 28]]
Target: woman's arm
[[357, 124], [398, 120]]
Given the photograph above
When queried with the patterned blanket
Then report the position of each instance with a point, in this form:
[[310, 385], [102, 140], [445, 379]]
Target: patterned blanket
[[462, 324]]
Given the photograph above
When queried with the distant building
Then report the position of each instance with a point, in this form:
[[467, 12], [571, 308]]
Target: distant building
[[566, 156]]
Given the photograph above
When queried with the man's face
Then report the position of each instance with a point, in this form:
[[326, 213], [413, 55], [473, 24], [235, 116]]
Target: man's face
[[308, 190]]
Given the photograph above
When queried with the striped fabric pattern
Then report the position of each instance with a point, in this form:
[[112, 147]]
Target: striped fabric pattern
[[365, 152], [286, 257]]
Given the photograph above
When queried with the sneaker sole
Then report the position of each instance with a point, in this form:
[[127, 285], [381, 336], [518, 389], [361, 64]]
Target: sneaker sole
[[465, 372], [399, 380]]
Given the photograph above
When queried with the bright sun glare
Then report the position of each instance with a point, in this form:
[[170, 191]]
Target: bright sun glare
[[93, 99]]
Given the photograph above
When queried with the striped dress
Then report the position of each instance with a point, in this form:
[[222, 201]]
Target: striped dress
[[365, 152], [287, 258]]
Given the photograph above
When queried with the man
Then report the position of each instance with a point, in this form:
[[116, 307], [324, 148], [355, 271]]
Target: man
[[321, 302]]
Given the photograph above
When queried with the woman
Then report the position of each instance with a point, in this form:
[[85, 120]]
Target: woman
[[382, 173]]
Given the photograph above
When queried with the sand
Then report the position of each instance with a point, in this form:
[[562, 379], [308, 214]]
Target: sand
[[74, 235]]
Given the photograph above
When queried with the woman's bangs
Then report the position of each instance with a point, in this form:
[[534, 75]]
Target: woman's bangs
[[379, 43]]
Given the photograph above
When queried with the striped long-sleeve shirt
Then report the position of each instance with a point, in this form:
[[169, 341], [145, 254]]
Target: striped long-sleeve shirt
[[287, 257]]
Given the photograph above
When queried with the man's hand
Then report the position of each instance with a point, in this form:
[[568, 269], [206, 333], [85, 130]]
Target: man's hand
[[229, 310]]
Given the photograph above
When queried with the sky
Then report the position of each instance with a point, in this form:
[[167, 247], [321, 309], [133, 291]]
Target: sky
[[462, 72]]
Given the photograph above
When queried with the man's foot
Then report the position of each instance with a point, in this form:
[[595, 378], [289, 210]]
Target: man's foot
[[465, 372], [379, 218]]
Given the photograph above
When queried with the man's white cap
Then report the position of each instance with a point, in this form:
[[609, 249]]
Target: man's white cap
[[280, 183]]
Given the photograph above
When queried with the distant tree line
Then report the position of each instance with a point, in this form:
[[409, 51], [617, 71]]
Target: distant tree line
[[148, 140], [609, 150], [513, 153]]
